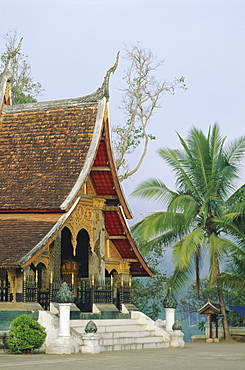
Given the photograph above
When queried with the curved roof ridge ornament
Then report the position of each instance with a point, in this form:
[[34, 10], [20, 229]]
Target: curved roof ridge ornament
[[105, 85], [103, 91], [5, 77]]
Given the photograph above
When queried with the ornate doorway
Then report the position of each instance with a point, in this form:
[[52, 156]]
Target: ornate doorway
[[74, 260]]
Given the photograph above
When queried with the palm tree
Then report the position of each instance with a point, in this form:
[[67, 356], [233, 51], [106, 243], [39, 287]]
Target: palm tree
[[194, 222]]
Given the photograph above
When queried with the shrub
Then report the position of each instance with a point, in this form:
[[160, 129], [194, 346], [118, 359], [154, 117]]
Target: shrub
[[25, 335]]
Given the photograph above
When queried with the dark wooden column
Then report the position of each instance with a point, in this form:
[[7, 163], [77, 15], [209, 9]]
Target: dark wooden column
[[210, 326], [217, 326]]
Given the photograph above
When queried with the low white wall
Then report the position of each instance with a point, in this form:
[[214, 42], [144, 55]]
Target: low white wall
[[51, 323]]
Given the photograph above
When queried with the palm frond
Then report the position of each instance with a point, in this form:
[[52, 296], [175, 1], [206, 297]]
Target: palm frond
[[200, 161], [216, 143], [237, 197], [186, 247], [158, 223], [235, 151], [183, 203], [232, 280], [181, 277], [179, 164], [217, 249], [163, 241], [154, 189]]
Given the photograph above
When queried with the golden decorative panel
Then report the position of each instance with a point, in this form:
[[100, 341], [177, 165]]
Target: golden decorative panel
[[81, 218], [70, 267], [98, 203], [111, 250], [120, 267], [90, 188]]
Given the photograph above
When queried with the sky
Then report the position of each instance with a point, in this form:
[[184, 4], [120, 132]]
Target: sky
[[72, 43]]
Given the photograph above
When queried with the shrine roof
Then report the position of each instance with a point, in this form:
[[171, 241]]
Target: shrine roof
[[209, 307]]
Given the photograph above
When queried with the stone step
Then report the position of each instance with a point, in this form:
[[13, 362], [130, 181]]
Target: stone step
[[110, 326], [123, 334], [128, 334], [114, 329], [105, 322], [131, 346], [130, 340]]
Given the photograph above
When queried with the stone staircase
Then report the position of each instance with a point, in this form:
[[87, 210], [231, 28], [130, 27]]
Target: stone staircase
[[126, 330], [138, 332]]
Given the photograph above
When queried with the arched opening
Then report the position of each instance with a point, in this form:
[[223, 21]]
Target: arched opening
[[43, 285], [42, 276], [66, 245], [109, 275], [111, 279], [82, 253]]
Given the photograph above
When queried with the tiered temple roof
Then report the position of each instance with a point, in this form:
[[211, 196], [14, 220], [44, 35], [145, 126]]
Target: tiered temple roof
[[48, 152]]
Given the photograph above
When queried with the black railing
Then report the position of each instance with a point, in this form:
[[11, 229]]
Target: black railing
[[102, 294], [89, 293], [84, 296]]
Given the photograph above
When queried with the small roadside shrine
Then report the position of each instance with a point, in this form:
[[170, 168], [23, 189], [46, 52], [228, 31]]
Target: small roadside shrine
[[214, 314]]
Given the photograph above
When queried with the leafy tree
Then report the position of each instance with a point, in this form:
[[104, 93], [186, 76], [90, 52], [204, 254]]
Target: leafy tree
[[141, 97], [23, 87], [234, 273], [148, 293], [190, 302], [26, 334], [197, 214]]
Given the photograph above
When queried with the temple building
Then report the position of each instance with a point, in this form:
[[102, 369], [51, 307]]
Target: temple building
[[63, 214]]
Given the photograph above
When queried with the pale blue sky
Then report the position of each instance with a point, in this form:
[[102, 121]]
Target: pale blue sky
[[71, 44]]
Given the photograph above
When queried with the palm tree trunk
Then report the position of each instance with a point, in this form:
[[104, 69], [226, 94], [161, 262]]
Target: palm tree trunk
[[197, 262], [227, 334]]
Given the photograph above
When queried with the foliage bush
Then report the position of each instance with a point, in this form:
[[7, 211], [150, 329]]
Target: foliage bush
[[26, 334], [190, 301], [148, 293]]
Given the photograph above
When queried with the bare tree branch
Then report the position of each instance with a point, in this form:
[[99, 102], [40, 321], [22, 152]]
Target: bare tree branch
[[141, 98]]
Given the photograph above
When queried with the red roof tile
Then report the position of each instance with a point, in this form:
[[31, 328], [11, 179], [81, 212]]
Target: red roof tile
[[42, 154], [26, 235]]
